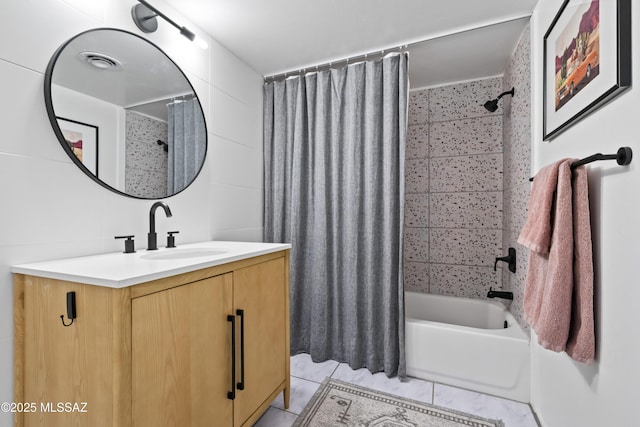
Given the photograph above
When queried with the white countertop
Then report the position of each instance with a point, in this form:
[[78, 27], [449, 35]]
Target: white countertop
[[119, 270]]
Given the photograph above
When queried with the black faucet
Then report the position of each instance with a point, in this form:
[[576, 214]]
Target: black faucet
[[499, 294], [152, 237]]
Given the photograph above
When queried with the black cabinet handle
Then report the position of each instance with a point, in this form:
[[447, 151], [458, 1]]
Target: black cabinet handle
[[232, 394], [241, 383]]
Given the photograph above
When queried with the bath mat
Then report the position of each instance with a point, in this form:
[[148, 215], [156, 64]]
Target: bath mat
[[338, 404]]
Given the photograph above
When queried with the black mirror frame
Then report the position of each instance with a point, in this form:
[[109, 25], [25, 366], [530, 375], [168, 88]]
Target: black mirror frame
[[56, 128]]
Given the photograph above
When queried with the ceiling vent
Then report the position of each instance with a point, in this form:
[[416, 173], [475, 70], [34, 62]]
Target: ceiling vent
[[101, 61]]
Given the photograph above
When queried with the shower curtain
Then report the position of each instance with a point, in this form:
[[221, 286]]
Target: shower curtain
[[187, 143], [334, 146]]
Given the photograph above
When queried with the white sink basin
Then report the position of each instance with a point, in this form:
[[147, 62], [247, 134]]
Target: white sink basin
[[185, 253], [119, 270]]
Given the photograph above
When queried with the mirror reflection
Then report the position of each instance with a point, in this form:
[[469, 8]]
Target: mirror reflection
[[125, 114]]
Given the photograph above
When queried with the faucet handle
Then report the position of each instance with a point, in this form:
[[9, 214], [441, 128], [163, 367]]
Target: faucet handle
[[509, 259], [171, 240], [129, 244]]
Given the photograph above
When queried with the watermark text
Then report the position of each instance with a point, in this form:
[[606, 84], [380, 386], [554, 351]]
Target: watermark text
[[49, 407]]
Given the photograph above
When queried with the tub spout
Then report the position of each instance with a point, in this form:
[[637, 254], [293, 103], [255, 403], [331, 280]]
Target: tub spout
[[499, 294]]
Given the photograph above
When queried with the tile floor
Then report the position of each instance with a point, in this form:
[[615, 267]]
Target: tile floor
[[306, 377]]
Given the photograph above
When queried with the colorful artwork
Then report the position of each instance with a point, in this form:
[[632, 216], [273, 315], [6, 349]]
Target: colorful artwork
[[74, 139], [587, 60], [577, 52]]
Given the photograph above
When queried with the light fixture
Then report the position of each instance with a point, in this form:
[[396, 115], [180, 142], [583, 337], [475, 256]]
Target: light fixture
[[144, 15], [492, 105]]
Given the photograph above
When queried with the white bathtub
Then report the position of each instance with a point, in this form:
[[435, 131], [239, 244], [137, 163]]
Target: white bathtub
[[463, 342]]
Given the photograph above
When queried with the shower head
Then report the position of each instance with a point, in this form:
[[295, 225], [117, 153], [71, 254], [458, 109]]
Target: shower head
[[492, 105]]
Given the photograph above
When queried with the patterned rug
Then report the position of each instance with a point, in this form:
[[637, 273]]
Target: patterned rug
[[338, 404]]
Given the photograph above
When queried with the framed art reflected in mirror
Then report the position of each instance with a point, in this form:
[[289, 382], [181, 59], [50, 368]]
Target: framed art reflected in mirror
[[82, 139]]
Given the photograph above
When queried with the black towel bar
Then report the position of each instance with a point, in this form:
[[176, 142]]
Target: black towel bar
[[622, 157]]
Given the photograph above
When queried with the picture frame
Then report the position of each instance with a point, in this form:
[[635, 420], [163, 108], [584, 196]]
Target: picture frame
[[82, 139], [587, 61]]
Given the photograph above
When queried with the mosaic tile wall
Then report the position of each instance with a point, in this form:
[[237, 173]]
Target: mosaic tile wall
[[517, 165], [454, 183], [146, 161]]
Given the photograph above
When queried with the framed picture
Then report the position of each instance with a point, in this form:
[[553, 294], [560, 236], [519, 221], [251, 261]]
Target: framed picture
[[587, 60], [83, 141]]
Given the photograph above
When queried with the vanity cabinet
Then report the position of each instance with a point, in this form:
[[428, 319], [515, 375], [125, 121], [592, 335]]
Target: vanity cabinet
[[203, 348]]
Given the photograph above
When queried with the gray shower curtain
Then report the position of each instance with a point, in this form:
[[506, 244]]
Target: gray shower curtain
[[334, 146], [187, 143]]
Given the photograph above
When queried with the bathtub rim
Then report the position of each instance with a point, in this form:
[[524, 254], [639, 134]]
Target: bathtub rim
[[513, 331]]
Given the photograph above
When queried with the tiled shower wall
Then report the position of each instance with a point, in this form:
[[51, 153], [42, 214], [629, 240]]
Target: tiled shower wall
[[467, 184], [517, 167], [145, 160], [454, 183]]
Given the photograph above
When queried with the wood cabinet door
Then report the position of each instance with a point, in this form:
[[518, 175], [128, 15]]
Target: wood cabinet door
[[259, 291], [181, 355]]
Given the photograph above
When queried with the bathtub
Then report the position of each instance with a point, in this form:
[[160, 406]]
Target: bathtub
[[463, 342]]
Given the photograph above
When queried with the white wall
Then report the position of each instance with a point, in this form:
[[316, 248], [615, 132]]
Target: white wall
[[567, 393], [106, 116], [49, 209]]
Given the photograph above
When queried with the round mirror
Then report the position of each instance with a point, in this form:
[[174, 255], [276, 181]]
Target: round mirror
[[125, 114]]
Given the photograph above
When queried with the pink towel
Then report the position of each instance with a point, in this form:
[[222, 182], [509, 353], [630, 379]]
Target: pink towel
[[558, 298], [581, 345], [536, 234]]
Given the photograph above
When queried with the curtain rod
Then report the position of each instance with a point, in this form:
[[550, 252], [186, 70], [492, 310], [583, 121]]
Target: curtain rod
[[336, 64], [382, 52]]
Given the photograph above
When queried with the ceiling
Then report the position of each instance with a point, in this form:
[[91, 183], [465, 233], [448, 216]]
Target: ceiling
[[465, 39], [145, 80]]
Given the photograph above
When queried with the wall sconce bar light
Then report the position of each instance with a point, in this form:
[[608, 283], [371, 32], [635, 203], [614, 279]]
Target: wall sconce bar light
[[144, 15]]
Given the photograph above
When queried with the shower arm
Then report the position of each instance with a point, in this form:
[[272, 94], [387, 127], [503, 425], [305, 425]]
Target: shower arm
[[509, 92]]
